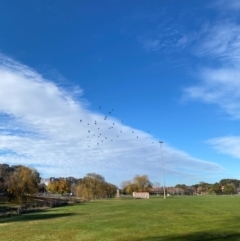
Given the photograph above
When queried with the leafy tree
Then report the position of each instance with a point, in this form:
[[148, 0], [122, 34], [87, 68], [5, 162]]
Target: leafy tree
[[142, 183], [93, 186], [229, 189], [132, 188], [83, 191], [124, 186], [109, 189], [139, 184], [61, 186], [5, 171], [203, 188], [22, 181], [181, 186], [215, 188], [234, 182]]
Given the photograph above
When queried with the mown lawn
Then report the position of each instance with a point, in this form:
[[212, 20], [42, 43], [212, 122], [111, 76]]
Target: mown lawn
[[180, 218]]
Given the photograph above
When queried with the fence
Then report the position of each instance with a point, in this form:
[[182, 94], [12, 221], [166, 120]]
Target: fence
[[32, 204]]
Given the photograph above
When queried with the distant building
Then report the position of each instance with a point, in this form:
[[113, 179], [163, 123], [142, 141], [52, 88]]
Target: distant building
[[45, 181]]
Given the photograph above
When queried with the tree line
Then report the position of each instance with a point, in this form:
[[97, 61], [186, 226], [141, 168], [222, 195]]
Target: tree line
[[142, 184], [17, 182], [224, 186]]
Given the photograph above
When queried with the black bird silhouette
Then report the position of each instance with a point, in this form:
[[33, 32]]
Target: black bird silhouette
[[100, 107], [80, 120]]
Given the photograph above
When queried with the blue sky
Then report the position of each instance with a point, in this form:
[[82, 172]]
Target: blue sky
[[168, 69]]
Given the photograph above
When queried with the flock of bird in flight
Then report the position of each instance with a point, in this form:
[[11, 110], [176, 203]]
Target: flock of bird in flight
[[94, 131]]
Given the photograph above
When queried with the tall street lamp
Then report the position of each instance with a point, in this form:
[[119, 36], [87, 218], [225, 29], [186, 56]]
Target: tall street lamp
[[164, 193]]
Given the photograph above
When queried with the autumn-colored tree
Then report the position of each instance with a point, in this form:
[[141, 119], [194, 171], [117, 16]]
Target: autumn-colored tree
[[124, 186], [93, 186], [83, 191], [132, 188], [22, 181], [142, 183], [61, 187], [109, 189], [139, 184]]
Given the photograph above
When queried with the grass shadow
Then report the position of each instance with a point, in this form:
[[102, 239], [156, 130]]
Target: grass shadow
[[35, 216], [197, 236]]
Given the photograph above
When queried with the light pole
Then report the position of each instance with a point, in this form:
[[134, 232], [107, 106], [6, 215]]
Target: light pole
[[164, 193]]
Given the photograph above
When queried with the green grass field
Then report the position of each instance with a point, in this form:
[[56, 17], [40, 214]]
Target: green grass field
[[178, 218]]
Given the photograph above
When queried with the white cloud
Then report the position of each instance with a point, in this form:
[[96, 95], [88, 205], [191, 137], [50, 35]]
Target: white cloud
[[219, 85], [221, 42], [228, 145], [40, 127]]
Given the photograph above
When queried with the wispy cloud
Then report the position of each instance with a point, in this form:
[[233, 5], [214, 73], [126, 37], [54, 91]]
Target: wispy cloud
[[220, 85], [226, 5], [40, 126], [221, 42], [227, 145], [167, 40], [220, 45]]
